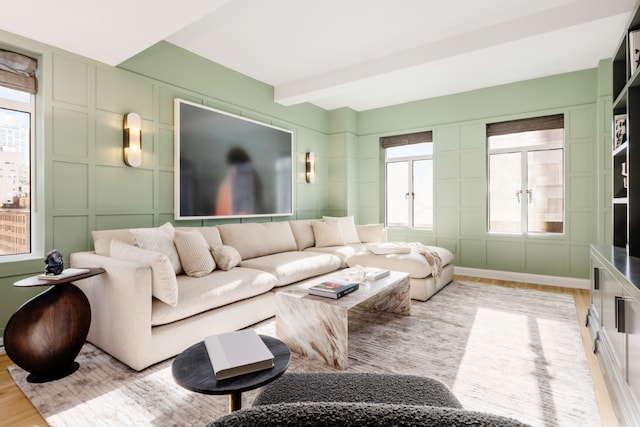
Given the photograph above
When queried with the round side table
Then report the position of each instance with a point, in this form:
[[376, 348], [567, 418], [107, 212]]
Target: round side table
[[192, 370], [46, 333]]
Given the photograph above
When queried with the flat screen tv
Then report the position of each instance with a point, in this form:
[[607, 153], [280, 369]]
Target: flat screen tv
[[227, 166]]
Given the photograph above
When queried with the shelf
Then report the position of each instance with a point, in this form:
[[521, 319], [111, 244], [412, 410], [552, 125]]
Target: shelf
[[621, 150]]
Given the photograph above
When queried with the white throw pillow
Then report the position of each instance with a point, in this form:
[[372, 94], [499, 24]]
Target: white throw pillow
[[194, 253], [348, 225], [164, 283], [226, 257], [327, 233], [370, 233], [159, 239]]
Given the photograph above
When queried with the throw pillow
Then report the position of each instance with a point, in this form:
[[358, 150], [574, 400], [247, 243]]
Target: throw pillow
[[370, 233], [194, 253], [159, 239], [164, 283], [327, 233], [226, 257], [348, 225]]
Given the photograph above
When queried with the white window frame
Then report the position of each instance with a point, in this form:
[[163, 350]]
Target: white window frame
[[410, 195], [524, 179], [36, 184]]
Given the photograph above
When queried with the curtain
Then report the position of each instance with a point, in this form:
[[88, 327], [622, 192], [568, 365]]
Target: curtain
[[411, 138], [18, 72], [555, 121]]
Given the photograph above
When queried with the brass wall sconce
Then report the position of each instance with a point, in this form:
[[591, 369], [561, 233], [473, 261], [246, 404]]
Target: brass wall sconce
[[132, 142], [310, 162]]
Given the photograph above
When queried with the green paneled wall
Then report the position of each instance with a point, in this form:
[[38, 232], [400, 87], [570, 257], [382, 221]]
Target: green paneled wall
[[459, 123], [88, 187]]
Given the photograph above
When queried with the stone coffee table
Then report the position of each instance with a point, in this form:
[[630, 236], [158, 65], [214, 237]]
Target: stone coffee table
[[318, 327]]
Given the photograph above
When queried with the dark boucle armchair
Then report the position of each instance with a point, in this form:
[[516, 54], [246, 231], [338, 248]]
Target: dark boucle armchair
[[358, 399]]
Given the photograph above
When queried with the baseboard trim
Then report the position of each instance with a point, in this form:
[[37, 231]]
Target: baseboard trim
[[538, 279]]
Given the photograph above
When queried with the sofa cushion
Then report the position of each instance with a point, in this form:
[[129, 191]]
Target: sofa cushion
[[226, 257], [159, 239], [327, 234], [258, 239], [102, 239], [195, 258], [371, 233], [343, 252], [413, 263], [388, 248], [211, 234], [348, 226], [200, 294], [303, 233], [290, 267], [164, 284]]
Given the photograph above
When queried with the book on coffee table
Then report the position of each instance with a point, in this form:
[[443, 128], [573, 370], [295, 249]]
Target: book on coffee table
[[237, 353], [333, 289], [374, 274]]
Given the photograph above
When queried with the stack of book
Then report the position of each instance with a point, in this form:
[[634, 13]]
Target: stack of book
[[333, 289], [373, 274], [237, 353]]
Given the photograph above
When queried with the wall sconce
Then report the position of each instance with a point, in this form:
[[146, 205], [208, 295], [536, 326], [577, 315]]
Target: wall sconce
[[310, 161], [132, 142]]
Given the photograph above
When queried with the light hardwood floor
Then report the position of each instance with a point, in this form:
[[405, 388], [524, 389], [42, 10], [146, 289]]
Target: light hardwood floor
[[17, 411]]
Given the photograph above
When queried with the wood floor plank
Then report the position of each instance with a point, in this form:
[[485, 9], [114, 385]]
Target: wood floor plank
[[17, 411]]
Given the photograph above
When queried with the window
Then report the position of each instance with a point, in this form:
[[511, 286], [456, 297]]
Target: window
[[409, 180], [526, 175], [17, 108]]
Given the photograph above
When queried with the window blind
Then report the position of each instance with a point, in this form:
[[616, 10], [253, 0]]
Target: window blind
[[18, 72], [555, 121], [410, 138]]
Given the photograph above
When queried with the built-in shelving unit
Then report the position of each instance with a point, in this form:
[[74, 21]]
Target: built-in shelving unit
[[614, 313], [626, 153]]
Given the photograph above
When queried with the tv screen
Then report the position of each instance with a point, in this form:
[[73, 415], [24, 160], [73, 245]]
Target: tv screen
[[228, 166]]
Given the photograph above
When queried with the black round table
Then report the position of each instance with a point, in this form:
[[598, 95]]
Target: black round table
[[192, 370], [46, 333]]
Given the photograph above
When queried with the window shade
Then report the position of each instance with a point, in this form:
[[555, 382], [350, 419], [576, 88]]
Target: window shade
[[555, 121], [410, 138], [18, 72]]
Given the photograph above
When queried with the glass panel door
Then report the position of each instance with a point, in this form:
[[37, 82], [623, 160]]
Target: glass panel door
[[505, 193], [398, 194], [423, 193], [545, 192]]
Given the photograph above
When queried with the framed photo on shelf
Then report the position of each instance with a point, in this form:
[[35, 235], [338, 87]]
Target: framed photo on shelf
[[634, 50], [619, 130]]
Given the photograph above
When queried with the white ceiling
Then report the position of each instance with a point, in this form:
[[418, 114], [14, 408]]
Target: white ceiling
[[361, 54]]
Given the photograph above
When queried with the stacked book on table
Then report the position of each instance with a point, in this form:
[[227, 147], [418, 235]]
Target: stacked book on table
[[333, 289], [237, 353]]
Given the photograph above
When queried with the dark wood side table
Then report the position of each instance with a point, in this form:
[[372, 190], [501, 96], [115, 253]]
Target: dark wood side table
[[192, 370], [46, 333]]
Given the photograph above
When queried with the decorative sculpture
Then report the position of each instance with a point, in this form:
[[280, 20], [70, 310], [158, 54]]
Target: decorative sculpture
[[55, 263]]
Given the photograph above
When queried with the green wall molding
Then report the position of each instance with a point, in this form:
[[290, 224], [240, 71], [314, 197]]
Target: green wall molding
[[88, 186]]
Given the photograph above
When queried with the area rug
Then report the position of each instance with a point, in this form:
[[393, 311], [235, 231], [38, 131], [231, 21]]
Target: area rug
[[508, 351]]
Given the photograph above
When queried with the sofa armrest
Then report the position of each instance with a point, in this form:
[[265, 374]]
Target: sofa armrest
[[120, 302]]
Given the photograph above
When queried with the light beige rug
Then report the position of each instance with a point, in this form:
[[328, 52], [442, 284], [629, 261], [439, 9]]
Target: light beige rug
[[507, 351]]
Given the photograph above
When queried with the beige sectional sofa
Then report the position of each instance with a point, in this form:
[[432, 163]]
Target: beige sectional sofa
[[166, 288]]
